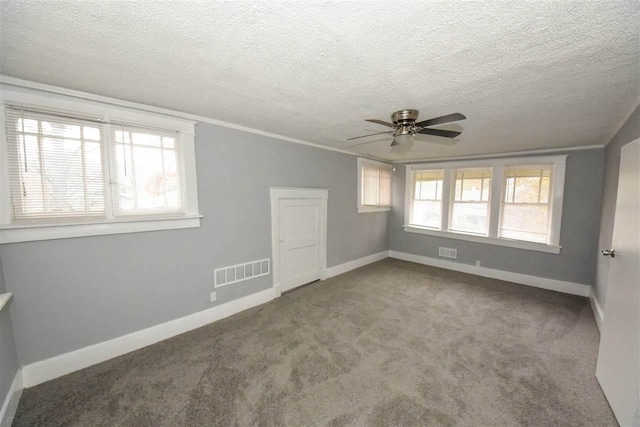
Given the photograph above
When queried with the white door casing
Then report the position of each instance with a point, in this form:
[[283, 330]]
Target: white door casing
[[618, 369], [299, 236]]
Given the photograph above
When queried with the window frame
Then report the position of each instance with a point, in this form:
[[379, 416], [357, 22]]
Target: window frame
[[504, 202], [498, 181], [412, 195], [189, 217], [453, 201], [361, 163]]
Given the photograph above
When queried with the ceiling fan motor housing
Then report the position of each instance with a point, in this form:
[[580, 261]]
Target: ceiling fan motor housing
[[404, 120], [405, 117]]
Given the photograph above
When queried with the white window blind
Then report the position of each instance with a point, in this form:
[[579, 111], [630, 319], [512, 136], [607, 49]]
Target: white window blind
[[146, 171], [384, 187], [470, 207], [58, 168], [55, 163], [427, 199], [375, 181], [526, 206], [370, 186]]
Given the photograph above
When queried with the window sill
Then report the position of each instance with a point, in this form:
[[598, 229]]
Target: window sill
[[4, 299], [35, 232], [531, 246], [368, 209]]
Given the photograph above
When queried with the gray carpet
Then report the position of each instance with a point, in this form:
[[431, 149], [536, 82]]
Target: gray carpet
[[393, 343]]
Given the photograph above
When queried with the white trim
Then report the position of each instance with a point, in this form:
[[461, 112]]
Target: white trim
[[95, 107], [289, 192], [20, 83], [4, 299], [57, 366], [523, 279], [596, 308], [18, 233], [531, 246], [11, 401], [558, 159], [352, 265], [557, 184], [495, 201], [277, 193], [500, 155], [381, 164], [369, 209]]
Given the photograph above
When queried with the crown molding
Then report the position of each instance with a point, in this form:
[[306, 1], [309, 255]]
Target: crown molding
[[27, 84], [500, 155], [42, 87]]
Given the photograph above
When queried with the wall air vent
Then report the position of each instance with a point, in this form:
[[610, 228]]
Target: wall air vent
[[448, 252], [224, 276]]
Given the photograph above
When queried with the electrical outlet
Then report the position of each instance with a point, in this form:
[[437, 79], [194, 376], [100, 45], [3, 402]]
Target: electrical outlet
[[212, 297], [477, 263]]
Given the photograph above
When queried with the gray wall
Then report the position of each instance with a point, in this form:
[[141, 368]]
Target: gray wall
[[630, 131], [72, 293], [8, 356], [579, 230]]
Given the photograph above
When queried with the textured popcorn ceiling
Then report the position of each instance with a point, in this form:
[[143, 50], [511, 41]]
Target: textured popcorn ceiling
[[529, 75]]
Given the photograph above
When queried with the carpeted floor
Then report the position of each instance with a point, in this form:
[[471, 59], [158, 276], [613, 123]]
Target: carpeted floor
[[393, 343]]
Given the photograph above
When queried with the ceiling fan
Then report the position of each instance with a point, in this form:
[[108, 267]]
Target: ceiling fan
[[405, 127]]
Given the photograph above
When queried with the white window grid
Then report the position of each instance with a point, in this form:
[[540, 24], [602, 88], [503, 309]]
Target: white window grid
[[499, 168]]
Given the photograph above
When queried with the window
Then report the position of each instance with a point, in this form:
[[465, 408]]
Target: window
[[374, 186], [72, 165], [470, 207], [55, 166], [509, 202], [526, 204], [427, 199], [146, 171]]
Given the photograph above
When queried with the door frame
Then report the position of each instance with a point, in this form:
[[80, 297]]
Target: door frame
[[280, 193]]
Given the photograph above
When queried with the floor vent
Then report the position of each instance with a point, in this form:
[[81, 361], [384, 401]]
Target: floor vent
[[448, 252], [240, 272]]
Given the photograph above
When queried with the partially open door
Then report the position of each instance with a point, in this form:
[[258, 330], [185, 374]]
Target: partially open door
[[618, 369]]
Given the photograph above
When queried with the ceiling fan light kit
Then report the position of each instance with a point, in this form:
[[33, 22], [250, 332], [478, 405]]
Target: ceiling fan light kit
[[402, 137], [405, 127]]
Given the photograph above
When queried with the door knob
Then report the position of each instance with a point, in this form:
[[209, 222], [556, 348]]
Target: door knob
[[609, 252]]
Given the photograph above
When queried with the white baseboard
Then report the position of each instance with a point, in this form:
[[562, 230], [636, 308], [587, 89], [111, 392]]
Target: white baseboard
[[352, 265], [598, 313], [523, 279], [57, 366], [12, 400]]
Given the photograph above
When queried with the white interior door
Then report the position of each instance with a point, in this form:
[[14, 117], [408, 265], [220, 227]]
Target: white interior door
[[618, 369], [299, 242], [299, 234]]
